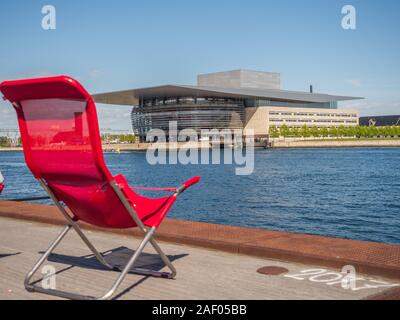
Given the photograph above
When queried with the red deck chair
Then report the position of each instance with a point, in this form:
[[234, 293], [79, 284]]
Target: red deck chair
[[60, 135], [1, 183]]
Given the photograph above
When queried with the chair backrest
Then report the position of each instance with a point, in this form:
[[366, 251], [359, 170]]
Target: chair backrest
[[61, 140], [59, 129]]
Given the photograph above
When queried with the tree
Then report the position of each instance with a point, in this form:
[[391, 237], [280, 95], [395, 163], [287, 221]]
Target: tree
[[284, 130], [392, 131], [385, 131], [127, 138], [325, 132], [333, 132], [5, 142], [373, 132], [273, 132], [341, 131], [364, 132], [397, 131], [351, 131], [295, 132], [305, 131], [314, 131]]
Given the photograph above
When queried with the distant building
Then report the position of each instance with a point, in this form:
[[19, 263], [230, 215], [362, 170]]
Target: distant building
[[238, 99], [110, 132], [380, 121], [12, 134]]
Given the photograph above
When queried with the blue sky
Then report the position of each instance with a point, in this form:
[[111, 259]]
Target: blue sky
[[115, 45]]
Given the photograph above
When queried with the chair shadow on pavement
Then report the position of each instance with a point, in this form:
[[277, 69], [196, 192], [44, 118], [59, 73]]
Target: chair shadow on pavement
[[6, 255], [118, 256]]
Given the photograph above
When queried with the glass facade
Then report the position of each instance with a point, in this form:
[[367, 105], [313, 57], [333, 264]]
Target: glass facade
[[251, 103], [202, 113], [189, 113]]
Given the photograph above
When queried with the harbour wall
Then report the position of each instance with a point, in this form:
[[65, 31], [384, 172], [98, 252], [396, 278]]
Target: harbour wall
[[373, 143]]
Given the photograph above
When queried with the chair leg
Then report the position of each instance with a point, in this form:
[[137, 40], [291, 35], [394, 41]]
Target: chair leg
[[31, 287], [97, 254], [74, 225], [164, 258], [127, 269], [153, 273], [69, 295], [140, 271], [140, 224], [129, 265]]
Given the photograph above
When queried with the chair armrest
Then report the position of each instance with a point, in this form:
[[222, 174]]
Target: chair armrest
[[154, 189], [121, 181], [188, 184], [172, 199]]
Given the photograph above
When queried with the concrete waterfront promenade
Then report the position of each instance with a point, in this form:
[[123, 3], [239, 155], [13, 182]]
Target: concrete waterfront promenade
[[334, 143], [213, 261], [345, 143]]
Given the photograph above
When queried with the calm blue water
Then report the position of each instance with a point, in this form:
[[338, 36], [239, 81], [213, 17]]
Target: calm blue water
[[348, 193]]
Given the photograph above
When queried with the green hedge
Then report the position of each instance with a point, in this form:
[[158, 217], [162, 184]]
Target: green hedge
[[342, 131], [129, 138], [5, 142]]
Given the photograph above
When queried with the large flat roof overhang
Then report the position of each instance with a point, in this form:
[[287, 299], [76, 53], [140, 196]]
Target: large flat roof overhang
[[133, 96]]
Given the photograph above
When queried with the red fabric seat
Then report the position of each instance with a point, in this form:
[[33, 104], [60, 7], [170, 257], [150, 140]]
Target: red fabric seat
[[62, 146]]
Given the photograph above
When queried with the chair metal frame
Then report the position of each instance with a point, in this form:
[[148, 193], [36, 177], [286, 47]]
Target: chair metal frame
[[133, 210], [72, 224]]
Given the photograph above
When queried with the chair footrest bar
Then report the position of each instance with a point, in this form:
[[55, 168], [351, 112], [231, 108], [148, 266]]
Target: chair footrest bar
[[152, 273], [147, 272], [59, 293]]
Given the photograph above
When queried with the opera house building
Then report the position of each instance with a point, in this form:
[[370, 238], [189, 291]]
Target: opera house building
[[239, 99]]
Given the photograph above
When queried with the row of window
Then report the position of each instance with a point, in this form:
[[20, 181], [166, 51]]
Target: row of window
[[276, 113], [316, 121], [291, 104], [188, 100]]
